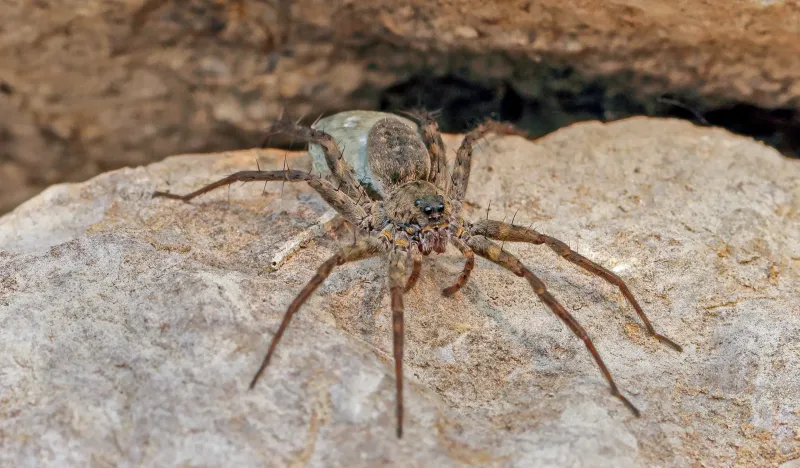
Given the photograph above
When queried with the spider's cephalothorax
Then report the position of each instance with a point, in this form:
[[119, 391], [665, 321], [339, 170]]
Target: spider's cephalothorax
[[423, 211], [411, 208]]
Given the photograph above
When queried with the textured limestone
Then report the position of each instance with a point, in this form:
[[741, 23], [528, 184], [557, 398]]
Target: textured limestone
[[129, 327]]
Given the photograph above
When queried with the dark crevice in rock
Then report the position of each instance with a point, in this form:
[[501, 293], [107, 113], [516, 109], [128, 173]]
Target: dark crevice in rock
[[124, 86], [561, 101]]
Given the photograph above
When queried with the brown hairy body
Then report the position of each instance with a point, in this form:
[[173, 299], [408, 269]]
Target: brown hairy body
[[416, 212]]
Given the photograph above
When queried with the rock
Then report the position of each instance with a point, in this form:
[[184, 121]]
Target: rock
[[130, 326], [88, 86]]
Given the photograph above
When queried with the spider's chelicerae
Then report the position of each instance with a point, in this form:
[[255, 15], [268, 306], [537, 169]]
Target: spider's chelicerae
[[414, 209]]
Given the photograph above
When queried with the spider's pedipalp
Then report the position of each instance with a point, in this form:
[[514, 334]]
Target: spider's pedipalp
[[337, 199], [416, 269], [397, 274], [365, 248], [468, 266], [492, 252], [508, 232]]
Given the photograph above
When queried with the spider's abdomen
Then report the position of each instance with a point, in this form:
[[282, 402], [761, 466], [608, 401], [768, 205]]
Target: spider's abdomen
[[396, 154], [351, 131]]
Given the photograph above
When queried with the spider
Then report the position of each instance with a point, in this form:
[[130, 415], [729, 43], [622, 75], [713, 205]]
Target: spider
[[415, 210]]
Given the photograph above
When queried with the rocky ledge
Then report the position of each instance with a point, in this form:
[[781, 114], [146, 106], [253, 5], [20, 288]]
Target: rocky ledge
[[130, 326]]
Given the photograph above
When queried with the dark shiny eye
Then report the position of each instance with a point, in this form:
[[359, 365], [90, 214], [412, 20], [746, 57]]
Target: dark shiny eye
[[441, 207], [417, 202], [427, 210]]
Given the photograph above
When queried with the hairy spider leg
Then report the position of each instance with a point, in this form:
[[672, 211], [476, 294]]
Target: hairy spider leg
[[429, 129], [462, 166], [492, 252], [468, 266], [365, 248], [341, 171], [397, 275], [416, 268], [511, 233], [343, 204]]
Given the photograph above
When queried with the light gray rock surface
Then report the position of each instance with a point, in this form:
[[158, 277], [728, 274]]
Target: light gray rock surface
[[130, 327]]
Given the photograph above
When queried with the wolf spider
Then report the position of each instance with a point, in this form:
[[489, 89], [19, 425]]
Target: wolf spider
[[416, 211]]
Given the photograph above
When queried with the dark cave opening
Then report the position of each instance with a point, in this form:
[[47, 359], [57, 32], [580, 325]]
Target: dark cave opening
[[462, 104]]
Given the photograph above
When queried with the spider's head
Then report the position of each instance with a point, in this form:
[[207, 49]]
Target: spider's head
[[432, 208], [434, 218], [418, 203], [424, 211]]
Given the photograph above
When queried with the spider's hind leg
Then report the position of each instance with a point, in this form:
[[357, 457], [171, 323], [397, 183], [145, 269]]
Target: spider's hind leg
[[429, 129], [338, 200], [494, 253], [508, 232], [341, 171], [367, 247], [342, 203]]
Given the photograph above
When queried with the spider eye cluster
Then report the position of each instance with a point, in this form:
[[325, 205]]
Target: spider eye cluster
[[430, 208]]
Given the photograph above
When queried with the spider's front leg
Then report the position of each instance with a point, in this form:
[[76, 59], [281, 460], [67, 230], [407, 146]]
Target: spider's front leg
[[397, 275], [342, 203], [363, 249], [494, 253], [398, 243], [508, 232], [468, 266]]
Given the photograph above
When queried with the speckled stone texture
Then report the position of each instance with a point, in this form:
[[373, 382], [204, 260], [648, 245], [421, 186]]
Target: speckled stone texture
[[130, 326]]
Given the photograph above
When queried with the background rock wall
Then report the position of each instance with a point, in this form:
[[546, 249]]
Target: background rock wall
[[89, 85]]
